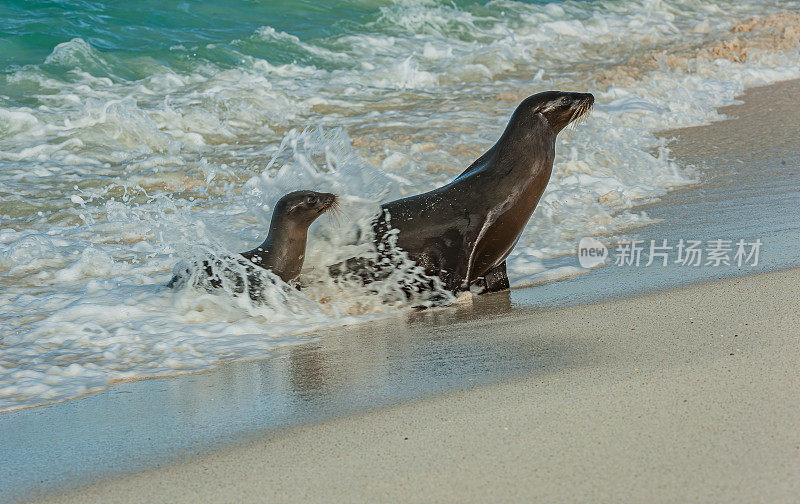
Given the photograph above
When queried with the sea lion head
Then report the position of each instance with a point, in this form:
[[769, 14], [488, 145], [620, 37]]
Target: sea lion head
[[559, 108], [303, 207]]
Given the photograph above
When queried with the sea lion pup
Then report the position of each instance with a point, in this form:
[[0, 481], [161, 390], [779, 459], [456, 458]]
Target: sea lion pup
[[463, 232], [285, 247], [282, 252]]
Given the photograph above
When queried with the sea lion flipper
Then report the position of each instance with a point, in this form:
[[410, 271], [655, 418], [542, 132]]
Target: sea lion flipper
[[496, 278]]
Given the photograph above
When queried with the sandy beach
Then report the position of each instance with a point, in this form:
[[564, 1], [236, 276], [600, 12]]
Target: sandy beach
[[680, 396]]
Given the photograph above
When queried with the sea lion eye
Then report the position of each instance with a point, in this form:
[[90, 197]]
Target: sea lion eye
[[312, 200]]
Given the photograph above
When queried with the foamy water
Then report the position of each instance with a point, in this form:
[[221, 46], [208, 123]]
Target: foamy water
[[115, 165]]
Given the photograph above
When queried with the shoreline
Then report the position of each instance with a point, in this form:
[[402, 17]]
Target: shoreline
[[414, 367], [687, 398], [697, 153]]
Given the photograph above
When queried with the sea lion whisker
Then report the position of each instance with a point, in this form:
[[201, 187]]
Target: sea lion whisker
[[570, 127], [574, 115], [334, 212], [579, 115], [587, 110], [580, 111], [337, 208]]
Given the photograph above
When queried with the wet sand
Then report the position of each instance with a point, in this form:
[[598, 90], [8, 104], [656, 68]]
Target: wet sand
[[686, 394], [678, 396]]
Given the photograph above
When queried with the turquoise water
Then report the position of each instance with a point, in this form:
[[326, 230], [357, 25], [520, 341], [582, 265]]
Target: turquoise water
[[173, 32], [150, 28], [137, 135]]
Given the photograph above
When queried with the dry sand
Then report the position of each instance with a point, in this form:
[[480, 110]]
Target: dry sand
[[686, 395]]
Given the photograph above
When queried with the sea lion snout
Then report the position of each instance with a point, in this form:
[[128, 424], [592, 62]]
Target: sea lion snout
[[327, 201], [583, 99], [582, 104]]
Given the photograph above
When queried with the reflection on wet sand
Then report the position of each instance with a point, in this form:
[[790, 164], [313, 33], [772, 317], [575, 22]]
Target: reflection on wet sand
[[342, 372], [308, 371], [352, 360]]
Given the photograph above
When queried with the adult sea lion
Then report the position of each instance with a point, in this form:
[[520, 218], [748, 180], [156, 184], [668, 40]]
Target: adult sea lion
[[463, 232], [282, 252]]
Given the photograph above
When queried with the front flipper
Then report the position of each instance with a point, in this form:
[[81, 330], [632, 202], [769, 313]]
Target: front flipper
[[496, 279]]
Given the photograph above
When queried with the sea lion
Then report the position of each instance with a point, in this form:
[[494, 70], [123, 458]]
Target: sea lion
[[285, 247], [463, 232], [282, 252]]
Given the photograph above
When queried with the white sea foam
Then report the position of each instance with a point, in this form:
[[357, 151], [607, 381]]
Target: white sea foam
[[115, 179]]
